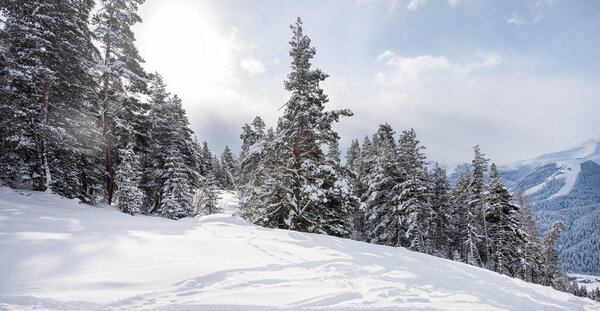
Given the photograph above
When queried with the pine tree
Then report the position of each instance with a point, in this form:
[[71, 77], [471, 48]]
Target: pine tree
[[128, 194], [368, 158], [210, 196], [171, 168], [443, 223], [255, 153], [176, 191], [505, 237], [48, 103], [383, 219], [531, 249], [478, 233], [353, 158], [121, 70], [229, 166], [299, 187], [413, 193], [553, 274], [353, 172], [206, 160], [468, 236]]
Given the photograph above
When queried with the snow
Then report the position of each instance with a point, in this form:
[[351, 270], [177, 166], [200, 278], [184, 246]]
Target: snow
[[589, 281], [569, 162], [57, 254], [569, 172], [228, 202]]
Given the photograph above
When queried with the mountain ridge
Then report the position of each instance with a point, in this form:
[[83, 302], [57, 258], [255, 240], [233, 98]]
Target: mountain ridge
[[563, 186]]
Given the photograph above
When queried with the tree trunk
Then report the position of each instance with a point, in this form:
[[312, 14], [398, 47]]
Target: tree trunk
[[106, 122]]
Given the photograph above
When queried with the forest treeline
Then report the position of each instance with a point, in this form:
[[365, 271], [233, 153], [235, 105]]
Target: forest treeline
[[81, 117]]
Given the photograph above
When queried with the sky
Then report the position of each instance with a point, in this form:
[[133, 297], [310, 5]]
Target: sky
[[519, 78]]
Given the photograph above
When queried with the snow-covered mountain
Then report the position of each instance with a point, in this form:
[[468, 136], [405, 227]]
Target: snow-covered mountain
[[56, 254], [551, 175], [563, 186]]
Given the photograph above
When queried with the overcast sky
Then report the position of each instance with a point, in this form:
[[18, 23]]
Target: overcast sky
[[520, 78]]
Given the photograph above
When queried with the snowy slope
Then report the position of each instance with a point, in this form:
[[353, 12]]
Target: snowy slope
[[567, 167], [57, 254]]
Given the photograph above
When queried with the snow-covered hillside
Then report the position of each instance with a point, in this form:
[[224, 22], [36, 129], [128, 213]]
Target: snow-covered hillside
[[57, 254], [560, 170], [563, 186]]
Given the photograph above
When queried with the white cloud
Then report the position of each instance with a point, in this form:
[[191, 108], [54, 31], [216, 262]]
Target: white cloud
[[414, 4], [454, 3], [413, 67], [544, 3], [515, 19], [535, 14], [252, 66], [489, 60], [454, 105]]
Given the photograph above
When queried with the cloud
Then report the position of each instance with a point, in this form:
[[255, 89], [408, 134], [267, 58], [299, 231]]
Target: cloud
[[252, 66], [544, 3], [454, 105], [515, 19], [535, 14], [414, 4], [454, 3], [413, 67]]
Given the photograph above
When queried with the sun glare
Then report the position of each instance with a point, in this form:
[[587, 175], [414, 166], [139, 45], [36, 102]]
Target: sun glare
[[187, 46]]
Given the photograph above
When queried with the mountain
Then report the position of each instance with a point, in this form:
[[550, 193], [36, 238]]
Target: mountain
[[57, 254], [563, 186]]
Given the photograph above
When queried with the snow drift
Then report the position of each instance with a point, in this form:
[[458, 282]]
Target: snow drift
[[57, 254]]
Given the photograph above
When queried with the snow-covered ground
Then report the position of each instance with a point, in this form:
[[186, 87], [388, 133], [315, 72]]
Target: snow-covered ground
[[228, 202], [589, 281], [57, 254]]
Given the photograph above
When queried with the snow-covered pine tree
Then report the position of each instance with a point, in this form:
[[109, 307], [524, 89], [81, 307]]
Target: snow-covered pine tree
[[154, 157], [257, 160], [219, 172], [209, 203], [553, 275], [353, 168], [531, 249], [443, 221], [413, 193], [206, 160], [368, 156], [30, 40], [8, 165], [176, 199], [468, 236], [121, 71], [297, 190], [383, 219], [171, 168], [353, 157], [457, 217], [229, 166], [503, 225], [128, 195], [48, 103], [340, 203], [478, 229]]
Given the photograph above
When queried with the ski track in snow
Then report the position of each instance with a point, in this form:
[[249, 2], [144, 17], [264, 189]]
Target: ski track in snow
[[56, 254]]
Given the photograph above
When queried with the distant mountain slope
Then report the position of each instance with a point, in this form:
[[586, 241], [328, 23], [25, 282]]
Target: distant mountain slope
[[57, 254], [564, 186]]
